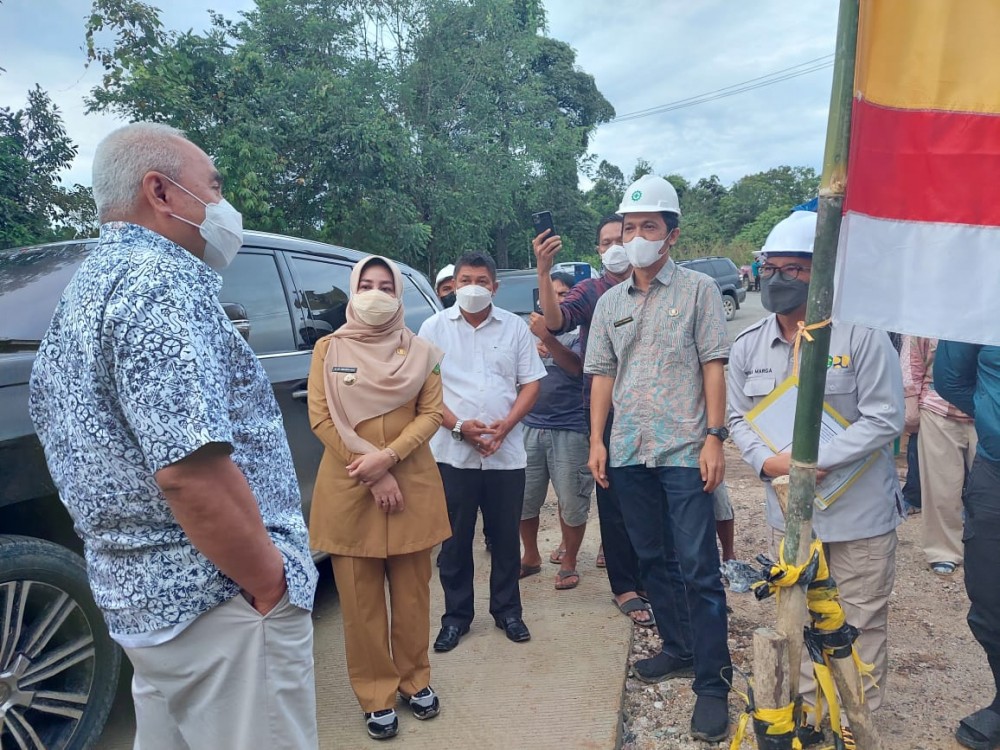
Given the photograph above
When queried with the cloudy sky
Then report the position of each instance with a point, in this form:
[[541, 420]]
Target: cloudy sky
[[642, 53]]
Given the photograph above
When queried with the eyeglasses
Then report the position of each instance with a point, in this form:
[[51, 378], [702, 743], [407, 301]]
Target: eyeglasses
[[787, 273]]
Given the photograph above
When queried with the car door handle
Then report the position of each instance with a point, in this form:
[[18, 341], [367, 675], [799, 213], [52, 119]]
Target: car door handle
[[302, 394]]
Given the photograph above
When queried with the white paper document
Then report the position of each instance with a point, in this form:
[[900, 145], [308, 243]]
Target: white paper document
[[773, 419]]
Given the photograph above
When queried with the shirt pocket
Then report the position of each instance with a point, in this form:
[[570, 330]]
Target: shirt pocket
[[758, 386], [842, 394], [501, 365]]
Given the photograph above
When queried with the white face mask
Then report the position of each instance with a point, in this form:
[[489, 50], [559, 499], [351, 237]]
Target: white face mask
[[473, 298], [615, 259], [642, 252], [374, 307], [222, 230]]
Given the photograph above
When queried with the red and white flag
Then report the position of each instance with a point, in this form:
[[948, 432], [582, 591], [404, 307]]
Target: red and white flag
[[920, 240]]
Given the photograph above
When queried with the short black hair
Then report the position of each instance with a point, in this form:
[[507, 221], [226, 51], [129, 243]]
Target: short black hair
[[610, 219], [671, 219], [568, 279], [476, 259]]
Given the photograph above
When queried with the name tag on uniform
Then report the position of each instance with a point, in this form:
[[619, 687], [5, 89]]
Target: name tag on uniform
[[623, 321], [344, 369]]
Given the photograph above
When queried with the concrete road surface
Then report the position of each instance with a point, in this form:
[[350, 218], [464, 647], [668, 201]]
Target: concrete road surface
[[563, 689]]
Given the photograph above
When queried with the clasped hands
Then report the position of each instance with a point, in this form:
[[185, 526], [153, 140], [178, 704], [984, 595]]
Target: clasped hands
[[372, 470], [485, 438], [780, 465]]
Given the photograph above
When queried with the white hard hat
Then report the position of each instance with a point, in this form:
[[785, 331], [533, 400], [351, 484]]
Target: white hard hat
[[444, 274], [650, 194], [793, 235]]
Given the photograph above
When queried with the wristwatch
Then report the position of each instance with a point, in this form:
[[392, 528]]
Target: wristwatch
[[456, 431], [720, 432]]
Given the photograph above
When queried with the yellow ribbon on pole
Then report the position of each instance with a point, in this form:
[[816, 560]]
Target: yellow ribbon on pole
[[803, 333]]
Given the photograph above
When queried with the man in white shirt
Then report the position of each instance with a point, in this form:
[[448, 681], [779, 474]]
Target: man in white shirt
[[490, 374]]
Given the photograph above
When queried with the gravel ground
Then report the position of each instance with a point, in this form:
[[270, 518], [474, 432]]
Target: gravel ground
[[937, 672]]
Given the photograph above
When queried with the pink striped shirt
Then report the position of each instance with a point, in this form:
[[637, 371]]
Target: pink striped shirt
[[917, 359]]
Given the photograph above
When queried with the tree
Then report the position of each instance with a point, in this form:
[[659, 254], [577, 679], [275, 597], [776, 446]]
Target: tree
[[415, 128], [34, 149]]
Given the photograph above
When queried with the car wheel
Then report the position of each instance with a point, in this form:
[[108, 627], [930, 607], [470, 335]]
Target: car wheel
[[58, 665], [729, 305]]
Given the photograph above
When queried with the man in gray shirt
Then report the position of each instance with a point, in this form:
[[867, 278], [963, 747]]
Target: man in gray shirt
[[864, 385]]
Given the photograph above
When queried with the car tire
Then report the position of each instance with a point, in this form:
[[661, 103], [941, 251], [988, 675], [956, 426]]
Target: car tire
[[58, 665], [729, 306]]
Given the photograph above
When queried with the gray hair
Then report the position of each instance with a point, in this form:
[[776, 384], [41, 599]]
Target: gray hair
[[124, 157]]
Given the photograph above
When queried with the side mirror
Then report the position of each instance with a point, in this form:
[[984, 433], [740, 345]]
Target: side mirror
[[238, 315]]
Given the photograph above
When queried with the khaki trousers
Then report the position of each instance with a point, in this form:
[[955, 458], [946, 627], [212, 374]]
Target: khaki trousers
[[865, 571], [947, 448], [232, 680], [382, 659]]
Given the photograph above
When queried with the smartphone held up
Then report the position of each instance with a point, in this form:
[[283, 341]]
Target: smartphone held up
[[542, 221]]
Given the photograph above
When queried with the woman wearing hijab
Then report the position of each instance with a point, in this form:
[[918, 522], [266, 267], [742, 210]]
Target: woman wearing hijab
[[375, 400]]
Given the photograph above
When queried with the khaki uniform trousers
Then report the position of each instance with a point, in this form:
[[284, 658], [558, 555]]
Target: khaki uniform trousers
[[946, 448], [384, 659], [865, 572], [232, 680]]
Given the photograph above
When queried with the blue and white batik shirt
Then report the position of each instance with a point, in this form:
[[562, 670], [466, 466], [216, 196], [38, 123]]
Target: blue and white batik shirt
[[140, 368]]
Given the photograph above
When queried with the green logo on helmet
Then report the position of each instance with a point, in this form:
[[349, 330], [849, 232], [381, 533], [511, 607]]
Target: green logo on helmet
[[636, 195]]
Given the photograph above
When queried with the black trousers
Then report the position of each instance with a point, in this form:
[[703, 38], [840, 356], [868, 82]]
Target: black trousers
[[982, 554], [619, 555], [500, 495]]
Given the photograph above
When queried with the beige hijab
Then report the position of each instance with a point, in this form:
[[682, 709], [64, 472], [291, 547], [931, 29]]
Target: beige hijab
[[391, 365]]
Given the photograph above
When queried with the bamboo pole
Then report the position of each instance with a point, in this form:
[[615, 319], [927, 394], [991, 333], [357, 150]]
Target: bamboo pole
[[813, 362], [771, 670]]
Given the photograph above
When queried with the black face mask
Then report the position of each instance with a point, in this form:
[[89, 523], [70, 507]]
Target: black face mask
[[781, 296], [448, 300]]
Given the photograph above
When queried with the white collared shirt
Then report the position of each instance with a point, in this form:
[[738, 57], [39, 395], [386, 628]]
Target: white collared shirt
[[481, 370]]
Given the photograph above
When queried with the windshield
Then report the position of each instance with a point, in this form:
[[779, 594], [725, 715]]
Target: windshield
[[31, 282], [516, 294]]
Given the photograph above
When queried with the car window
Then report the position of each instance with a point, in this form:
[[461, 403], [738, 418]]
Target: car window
[[324, 288], [415, 305], [252, 280], [722, 269], [516, 294], [31, 283]]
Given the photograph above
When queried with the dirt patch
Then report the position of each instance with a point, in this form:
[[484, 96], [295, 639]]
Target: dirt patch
[[937, 671]]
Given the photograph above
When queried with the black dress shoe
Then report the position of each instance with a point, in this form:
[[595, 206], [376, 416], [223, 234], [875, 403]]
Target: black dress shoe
[[515, 629], [448, 637]]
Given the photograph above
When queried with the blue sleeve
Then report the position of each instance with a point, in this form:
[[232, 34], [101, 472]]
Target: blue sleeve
[[955, 366]]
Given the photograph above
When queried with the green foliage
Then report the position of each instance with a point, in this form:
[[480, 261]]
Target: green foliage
[[414, 128], [34, 149], [716, 220]]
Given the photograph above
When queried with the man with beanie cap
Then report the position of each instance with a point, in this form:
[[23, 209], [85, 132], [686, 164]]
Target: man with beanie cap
[[657, 352], [864, 385]]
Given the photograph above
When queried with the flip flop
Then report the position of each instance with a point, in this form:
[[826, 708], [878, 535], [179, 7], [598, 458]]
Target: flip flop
[[529, 570], [556, 557], [601, 562], [635, 605], [561, 577], [980, 731]]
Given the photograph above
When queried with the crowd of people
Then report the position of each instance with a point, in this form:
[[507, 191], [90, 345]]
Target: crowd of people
[[164, 439]]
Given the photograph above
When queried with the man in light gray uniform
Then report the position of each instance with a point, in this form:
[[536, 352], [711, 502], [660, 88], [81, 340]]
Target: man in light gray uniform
[[864, 384]]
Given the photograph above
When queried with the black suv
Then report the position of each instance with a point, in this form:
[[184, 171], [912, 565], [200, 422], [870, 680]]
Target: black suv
[[58, 666], [726, 275]]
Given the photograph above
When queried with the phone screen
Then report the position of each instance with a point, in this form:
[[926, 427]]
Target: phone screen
[[538, 305], [542, 221]]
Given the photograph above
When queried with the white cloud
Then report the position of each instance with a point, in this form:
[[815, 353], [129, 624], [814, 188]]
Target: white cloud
[[642, 53]]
